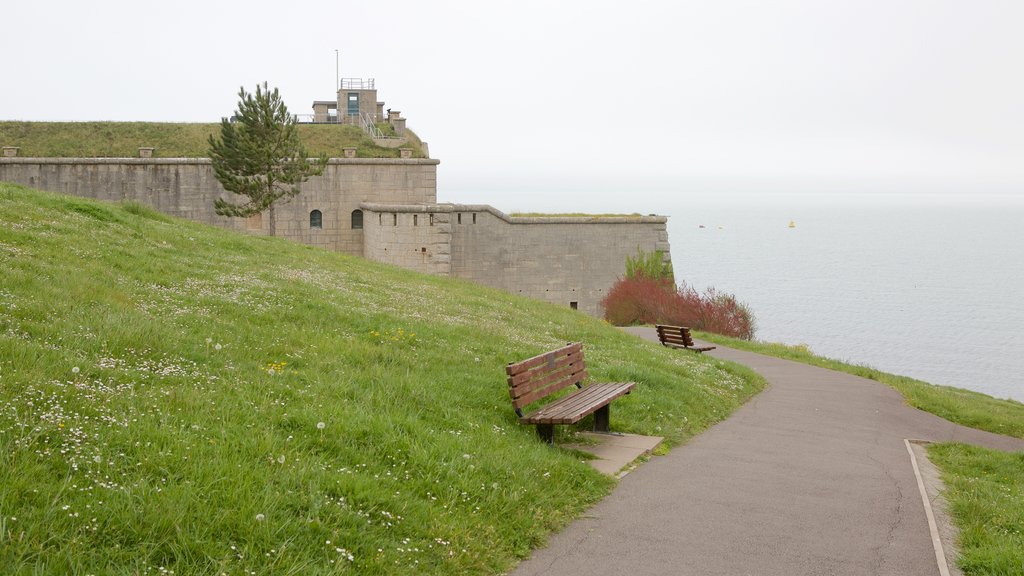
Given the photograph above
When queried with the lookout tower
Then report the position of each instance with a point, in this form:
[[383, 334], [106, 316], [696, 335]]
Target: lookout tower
[[356, 104]]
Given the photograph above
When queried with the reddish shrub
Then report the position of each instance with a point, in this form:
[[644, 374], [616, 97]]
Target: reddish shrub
[[647, 301], [639, 301]]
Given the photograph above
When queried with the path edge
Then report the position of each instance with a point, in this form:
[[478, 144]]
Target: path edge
[[940, 554]]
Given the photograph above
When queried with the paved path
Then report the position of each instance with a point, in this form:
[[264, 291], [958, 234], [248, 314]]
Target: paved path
[[811, 477]]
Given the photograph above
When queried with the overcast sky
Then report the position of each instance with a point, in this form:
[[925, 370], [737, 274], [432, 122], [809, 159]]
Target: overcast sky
[[603, 105]]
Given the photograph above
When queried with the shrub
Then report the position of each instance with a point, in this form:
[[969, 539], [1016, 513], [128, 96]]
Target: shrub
[[640, 301], [718, 312], [644, 300], [648, 265]]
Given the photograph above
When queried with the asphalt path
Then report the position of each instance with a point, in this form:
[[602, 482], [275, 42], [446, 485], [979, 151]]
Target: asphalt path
[[810, 477]]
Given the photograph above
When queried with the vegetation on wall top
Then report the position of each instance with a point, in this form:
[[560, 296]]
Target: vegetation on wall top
[[171, 140]]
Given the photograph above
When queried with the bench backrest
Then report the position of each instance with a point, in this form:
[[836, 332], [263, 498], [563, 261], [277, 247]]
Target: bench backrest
[[545, 374], [678, 335]]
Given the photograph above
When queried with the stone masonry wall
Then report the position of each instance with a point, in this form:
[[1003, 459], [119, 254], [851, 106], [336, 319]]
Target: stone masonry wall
[[413, 237], [559, 260], [187, 187]]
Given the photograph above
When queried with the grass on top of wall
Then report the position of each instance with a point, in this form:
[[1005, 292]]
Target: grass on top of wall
[[180, 398], [964, 407], [572, 215], [170, 140]]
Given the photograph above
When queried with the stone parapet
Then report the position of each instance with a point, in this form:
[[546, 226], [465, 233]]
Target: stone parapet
[[450, 208], [205, 161]]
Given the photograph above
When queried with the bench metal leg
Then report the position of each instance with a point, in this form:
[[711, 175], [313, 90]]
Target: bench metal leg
[[546, 432], [601, 418]]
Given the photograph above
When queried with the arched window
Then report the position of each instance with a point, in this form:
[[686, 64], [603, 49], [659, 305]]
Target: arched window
[[316, 219], [357, 219]]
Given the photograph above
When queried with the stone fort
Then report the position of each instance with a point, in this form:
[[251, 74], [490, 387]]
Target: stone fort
[[383, 209]]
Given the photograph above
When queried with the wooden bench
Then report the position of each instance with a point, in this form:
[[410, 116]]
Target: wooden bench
[[679, 337], [541, 376]]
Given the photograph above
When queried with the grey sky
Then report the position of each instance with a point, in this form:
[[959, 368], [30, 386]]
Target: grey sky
[[597, 105]]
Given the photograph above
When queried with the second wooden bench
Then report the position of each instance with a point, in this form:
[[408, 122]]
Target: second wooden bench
[[678, 337]]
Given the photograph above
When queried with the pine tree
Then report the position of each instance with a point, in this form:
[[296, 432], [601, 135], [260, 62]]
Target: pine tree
[[259, 155]]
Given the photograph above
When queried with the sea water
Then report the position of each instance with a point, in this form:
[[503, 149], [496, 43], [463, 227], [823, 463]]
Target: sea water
[[930, 287]]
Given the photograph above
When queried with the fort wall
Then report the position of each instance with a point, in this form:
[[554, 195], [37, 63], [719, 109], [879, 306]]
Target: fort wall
[[387, 211], [564, 260], [417, 237], [187, 187]]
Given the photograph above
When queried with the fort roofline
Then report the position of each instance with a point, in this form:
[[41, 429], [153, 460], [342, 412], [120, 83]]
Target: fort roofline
[[452, 208]]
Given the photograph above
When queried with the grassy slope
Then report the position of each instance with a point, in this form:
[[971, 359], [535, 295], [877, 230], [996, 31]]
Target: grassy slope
[[171, 140], [985, 491], [162, 386], [965, 407]]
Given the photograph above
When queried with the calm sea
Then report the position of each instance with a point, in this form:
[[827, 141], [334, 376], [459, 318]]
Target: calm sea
[[925, 286]]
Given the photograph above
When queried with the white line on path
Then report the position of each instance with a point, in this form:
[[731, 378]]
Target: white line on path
[[940, 556]]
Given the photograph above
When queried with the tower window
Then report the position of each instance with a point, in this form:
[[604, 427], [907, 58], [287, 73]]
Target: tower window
[[357, 219], [316, 219], [415, 220]]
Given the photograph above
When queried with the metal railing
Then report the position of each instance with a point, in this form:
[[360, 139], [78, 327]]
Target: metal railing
[[370, 126], [357, 84], [366, 121], [311, 119]]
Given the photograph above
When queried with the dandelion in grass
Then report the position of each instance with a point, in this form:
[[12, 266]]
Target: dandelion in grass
[[217, 346], [281, 459], [320, 425], [75, 370], [260, 517]]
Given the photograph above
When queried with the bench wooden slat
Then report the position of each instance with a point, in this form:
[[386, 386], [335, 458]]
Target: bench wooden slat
[[538, 393], [578, 405], [526, 376], [517, 367], [573, 406]]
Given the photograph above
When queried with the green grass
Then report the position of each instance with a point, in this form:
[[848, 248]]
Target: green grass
[[985, 491], [171, 140], [965, 407], [180, 397]]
